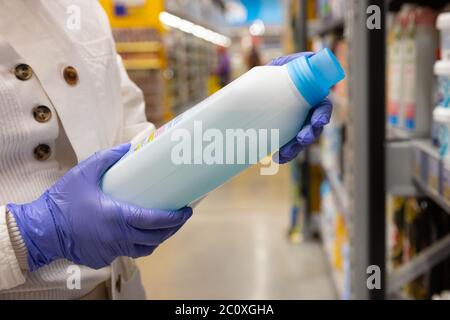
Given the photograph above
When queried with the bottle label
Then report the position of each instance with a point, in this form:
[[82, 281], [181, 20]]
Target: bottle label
[[157, 133]]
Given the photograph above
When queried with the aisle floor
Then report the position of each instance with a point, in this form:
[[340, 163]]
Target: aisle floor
[[235, 247]]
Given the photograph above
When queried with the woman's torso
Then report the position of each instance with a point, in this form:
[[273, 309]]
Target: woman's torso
[[48, 122]]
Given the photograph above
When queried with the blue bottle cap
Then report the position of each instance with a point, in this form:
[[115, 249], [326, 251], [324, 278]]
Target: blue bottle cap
[[315, 75], [326, 68]]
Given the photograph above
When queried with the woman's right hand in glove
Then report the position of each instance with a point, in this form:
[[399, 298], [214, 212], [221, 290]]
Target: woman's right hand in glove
[[75, 220]]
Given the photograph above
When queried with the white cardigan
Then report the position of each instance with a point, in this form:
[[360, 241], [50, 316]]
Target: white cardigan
[[104, 109]]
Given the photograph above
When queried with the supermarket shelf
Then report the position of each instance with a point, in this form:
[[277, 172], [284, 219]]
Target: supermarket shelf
[[338, 190], [336, 275], [322, 27], [421, 263], [395, 134], [142, 64], [139, 47], [398, 134], [341, 200], [438, 251], [433, 195], [399, 168]]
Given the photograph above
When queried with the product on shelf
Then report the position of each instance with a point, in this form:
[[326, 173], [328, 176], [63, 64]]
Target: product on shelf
[[441, 114], [412, 50], [432, 163], [341, 238], [415, 224], [311, 7], [443, 24], [346, 290], [331, 146], [442, 71], [190, 65], [441, 117], [420, 55], [341, 89], [395, 75], [396, 233], [335, 238], [331, 9], [430, 169]]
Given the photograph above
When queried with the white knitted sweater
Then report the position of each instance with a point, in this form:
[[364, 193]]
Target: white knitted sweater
[[105, 108]]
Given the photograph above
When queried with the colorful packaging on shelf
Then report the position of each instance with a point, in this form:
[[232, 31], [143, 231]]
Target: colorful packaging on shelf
[[442, 71], [441, 114], [395, 76], [396, 236], [419, 44], [441, 117]]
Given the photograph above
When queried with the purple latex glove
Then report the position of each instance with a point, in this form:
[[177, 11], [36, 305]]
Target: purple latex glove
[[75, 220], [317, 119]]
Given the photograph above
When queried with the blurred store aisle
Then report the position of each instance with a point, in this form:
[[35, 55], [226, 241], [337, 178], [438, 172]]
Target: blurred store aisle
[[235, 248]]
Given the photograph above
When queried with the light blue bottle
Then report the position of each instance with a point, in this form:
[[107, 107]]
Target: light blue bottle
[[223, 135]]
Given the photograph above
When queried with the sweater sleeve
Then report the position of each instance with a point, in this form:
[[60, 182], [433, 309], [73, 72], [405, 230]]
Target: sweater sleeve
[[18, 244], [11, 274]]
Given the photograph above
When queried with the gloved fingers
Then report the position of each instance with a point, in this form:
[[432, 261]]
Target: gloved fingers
[[156, 219], [318, 118], [317, 132], [151, 237], [101, 161], [288, 152], [280, 61], [140, 250], [306, 136], [322, 114]]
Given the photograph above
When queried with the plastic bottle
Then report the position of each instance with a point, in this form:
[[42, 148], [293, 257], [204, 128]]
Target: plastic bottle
[[443, 24], [395, 76], [265, 98], [420, 43]]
